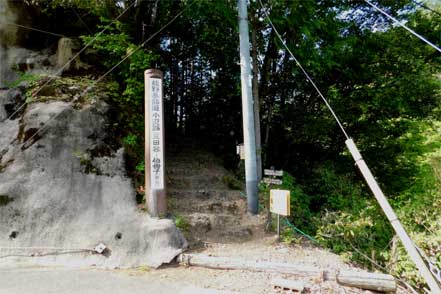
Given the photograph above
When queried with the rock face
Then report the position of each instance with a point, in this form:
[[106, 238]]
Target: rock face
[[7, 39], [63, 187], [8, 32], [14, 58], [67, 188]]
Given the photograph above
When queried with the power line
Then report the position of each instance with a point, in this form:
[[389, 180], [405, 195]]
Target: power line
[[81, 20], [108, 72], [373, 185], [305, 72], [33, 29], [145, 42], [426, 7], [382, 267], [404, 26], [71, 59]]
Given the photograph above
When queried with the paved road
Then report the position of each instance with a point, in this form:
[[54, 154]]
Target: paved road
[[70, 281]]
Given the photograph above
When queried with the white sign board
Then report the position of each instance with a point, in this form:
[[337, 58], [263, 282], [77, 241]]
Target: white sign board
[[270, 172], [156, 138], [270, 181], [240, 150], [280, 202]]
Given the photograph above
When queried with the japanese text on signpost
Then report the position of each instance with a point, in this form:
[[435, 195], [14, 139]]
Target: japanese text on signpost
[[156, 140]]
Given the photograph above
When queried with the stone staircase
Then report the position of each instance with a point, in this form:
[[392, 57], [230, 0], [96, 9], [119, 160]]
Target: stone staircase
[[199, 193]]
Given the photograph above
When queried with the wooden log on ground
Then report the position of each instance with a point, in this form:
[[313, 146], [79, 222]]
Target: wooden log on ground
[[224, 263], [364, 280], [368, 281]]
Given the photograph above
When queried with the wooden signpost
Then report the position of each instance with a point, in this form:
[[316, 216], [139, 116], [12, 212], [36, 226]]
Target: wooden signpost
[[272, 172], [154, 144], [279, 199], [272, 179]]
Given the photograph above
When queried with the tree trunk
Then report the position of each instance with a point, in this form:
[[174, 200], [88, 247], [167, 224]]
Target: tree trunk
[[270, 54]]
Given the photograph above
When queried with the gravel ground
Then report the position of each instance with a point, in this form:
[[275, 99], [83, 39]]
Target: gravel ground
[[240, 281]]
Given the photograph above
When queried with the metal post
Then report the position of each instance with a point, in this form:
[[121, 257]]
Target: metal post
[[393, 219], [247, 109], [154, 144]]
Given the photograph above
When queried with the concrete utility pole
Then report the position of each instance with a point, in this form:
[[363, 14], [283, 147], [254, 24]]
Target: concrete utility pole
[[247, 110], [154, 144]]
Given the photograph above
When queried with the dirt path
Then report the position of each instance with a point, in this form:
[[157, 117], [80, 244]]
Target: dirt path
[[246, 282], [216, 224]]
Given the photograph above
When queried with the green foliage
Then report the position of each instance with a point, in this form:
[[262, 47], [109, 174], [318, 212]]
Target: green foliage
[[24, 77], [115, 44], [232, 182], [288, 235], [130, 140], [335, 191], [363, 230], [419, 205], [300, 210], [140, 166], [94, 7], [181, 223], [367, 230]]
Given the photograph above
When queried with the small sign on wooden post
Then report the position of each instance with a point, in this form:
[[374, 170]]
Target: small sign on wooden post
[[272, 179], [154, 144], [272, 172], [280, 204]]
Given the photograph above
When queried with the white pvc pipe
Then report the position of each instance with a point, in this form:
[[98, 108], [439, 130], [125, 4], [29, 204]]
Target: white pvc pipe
[[393, 219]]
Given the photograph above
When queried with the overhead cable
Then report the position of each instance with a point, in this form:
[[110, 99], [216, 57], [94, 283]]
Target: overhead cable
[[109, 71], [71, 59], [81, 20], [305, 72], [404, 26], [33, 29], [376, 190], [426, 7]]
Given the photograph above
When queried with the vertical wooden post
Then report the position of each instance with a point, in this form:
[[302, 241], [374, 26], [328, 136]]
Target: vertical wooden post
[[154, 144]]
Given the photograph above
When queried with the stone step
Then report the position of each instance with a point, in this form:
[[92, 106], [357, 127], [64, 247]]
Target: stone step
[[196, 182], [197, 176], [183, 154], [203, 194], [231, 207], [192, 164], [217, 228]]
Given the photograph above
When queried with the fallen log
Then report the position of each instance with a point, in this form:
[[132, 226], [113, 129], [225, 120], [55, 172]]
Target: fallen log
[[224, 263], [364, 280], [369, 281]]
